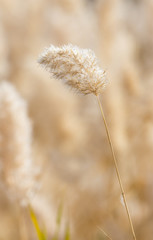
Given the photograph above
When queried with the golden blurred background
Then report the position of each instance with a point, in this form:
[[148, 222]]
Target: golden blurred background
[[69, 142]]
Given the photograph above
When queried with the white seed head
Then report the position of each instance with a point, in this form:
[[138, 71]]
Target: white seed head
[[17, 175], [77, 67]]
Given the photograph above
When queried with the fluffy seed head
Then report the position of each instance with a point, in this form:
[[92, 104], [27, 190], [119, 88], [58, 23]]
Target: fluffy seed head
[[77, 67], [17, 175]]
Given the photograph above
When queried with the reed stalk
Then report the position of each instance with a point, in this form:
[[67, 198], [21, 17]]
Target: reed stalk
[[116, 168]]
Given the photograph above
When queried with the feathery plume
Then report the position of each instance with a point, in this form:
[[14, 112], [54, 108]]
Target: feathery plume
[[16, 173], [77, 67]]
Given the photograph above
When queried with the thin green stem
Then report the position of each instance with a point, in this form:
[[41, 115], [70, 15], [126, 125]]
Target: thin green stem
[[117, 169]]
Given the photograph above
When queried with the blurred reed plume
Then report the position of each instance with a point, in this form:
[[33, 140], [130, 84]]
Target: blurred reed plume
[[78, 68], [17, 174]]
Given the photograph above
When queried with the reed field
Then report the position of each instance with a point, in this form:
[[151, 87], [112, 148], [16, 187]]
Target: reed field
[[76, 120]]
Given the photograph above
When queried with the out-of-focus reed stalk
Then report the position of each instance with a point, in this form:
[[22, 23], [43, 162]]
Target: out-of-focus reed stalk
[[78, 69], [67, 232], [105, 233], [58, 222]]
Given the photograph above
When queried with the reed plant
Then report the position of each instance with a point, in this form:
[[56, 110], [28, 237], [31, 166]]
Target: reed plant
[[78, 68]]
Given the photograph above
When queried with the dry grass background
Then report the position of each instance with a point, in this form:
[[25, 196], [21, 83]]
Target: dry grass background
[[69, 142]]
